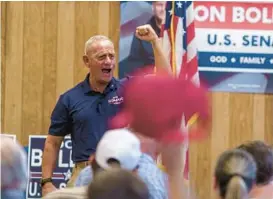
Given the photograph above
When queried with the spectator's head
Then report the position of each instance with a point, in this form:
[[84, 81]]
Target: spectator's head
[[117, 184], [99, 58], [263, 155], [13, 169], [159, 12], [117, 148], [235, 174]]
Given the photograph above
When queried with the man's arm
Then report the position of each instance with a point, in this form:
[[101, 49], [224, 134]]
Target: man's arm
[[60, 126], [161, 61], [173, 157], [50, 154]]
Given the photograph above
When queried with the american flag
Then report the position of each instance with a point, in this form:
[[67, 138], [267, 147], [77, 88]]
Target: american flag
[[178, 35]]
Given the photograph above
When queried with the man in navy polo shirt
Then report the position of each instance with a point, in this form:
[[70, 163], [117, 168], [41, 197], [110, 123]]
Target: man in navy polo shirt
[[84, 111]]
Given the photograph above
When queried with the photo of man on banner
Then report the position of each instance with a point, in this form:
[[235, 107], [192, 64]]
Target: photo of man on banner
[[141, 52]]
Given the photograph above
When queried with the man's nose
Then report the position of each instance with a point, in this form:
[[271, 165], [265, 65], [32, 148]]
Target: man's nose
[[107, 60]]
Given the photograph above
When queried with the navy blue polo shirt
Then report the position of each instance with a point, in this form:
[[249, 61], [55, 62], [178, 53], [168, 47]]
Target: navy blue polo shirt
[[84, 113]]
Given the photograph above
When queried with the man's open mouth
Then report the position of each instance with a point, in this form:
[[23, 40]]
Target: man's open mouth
[[107, 71]]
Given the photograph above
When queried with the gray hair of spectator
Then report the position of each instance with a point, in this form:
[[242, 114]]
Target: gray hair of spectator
[[263, 155], [117, 183], [13, 165], [94, 39], [235, 174]]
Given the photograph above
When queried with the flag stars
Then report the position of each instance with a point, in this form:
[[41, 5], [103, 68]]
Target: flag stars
[[170, 12], [67, 175], [179, 4]]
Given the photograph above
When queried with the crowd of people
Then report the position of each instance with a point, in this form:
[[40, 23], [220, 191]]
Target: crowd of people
[[121, 163], [121, 169]]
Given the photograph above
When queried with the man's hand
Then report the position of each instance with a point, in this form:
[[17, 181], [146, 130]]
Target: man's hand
[[48, 188], [146, 33]]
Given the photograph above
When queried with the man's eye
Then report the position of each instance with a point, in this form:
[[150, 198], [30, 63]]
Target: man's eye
[[102, 57]]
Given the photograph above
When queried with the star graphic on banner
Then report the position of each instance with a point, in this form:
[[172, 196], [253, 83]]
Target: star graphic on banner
[[271, 61], [67, 175], [233, 60], [179, 4], [170, 12]]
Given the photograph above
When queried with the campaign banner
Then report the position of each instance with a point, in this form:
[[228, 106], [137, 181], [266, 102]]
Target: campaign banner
[[234, 42], [134, 53], [235, 45], [11, 136], [62, 172]]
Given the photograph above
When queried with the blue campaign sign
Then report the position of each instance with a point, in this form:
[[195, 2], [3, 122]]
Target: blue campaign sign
[[235, 46], [62, 172]]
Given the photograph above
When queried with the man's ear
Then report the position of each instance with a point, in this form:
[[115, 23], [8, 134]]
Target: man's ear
[[85, 60]]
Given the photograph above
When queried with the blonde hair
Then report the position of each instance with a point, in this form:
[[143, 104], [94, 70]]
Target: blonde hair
[[235, 174], [94, 39]]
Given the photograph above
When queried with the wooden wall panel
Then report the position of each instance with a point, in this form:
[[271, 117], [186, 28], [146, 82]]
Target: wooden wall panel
[[114, 28], [65, 46], [33, 64], [13, 69], [86, 25], [42, 48], [3, 44], [268, 114], [50, 61]]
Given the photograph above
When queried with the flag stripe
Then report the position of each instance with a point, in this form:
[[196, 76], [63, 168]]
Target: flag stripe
[[172, 38], [179, 43], [190, 15]]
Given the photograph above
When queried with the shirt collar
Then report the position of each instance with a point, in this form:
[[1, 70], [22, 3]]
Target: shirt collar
[[110, 87]]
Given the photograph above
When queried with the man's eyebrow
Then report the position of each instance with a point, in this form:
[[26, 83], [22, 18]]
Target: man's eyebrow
[[104, 53], [99, 54]]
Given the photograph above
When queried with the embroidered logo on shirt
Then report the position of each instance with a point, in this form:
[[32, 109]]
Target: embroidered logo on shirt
[[115, 100]]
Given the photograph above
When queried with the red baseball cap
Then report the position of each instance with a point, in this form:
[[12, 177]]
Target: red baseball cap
[[154, 106]]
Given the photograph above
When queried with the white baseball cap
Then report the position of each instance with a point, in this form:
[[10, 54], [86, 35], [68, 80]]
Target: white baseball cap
[[121, 145]]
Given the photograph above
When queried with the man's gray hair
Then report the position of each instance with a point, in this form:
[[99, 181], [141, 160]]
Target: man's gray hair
[[94, 39]]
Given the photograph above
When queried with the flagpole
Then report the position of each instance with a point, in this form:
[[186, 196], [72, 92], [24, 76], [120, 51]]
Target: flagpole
[[173, 40]]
